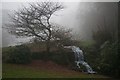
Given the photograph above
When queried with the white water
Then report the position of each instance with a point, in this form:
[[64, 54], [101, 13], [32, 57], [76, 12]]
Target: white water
[[79, 58]]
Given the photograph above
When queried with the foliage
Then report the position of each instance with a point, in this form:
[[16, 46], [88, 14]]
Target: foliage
[[61, 35], [57, 57], [17, 54], [108, 56], [34, 21], [104, 60], [40, 55], [91, 53], [106, 48], [109, 63], [105, 33]]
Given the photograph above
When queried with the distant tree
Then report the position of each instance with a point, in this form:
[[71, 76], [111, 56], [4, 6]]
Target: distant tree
[[107, 43], [35, 21], [105, 33]]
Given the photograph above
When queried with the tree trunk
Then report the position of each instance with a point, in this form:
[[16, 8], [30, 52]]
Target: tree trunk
[[48, 46], [48, 41]]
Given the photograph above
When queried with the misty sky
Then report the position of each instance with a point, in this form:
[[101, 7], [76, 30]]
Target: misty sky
[[82, 17], [62, 17]]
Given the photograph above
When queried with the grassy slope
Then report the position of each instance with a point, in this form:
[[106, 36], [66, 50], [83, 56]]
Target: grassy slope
[[21, 71]]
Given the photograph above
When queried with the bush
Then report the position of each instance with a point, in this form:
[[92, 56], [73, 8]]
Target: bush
[[17, 54], [110, 60], [105, 68], [91, 53], [56, 57], [59, 58], [40, 55]]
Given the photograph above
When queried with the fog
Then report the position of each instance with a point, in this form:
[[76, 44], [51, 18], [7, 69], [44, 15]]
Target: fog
[[92, 15], [82, 17]]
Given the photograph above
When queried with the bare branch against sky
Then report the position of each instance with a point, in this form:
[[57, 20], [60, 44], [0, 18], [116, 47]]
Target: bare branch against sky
[[76, 15]]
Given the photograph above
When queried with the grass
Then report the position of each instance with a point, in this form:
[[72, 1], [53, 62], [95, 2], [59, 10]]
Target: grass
[[21, 71]]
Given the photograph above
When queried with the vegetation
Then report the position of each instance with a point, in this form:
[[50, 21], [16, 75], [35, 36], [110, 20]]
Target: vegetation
[[34, 21], [58, 55], [23, 71], [18, 54], [103, 61], [103, 53]]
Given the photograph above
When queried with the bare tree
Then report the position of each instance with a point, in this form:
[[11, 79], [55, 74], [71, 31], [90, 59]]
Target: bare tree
[[35, 21], [61, 34]]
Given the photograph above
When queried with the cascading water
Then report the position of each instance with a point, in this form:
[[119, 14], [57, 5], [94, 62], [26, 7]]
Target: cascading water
[[79, 58]]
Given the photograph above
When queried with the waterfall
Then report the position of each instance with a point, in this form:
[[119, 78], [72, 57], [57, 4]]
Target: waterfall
[[79, 58]]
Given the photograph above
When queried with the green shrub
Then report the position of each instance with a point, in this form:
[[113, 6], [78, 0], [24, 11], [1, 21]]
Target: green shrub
[[40, 55], [17, 54], [110, 60], [59, 58], [105, 68]]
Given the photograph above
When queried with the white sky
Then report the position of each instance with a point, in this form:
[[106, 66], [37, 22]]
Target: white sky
[[62, 17]]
